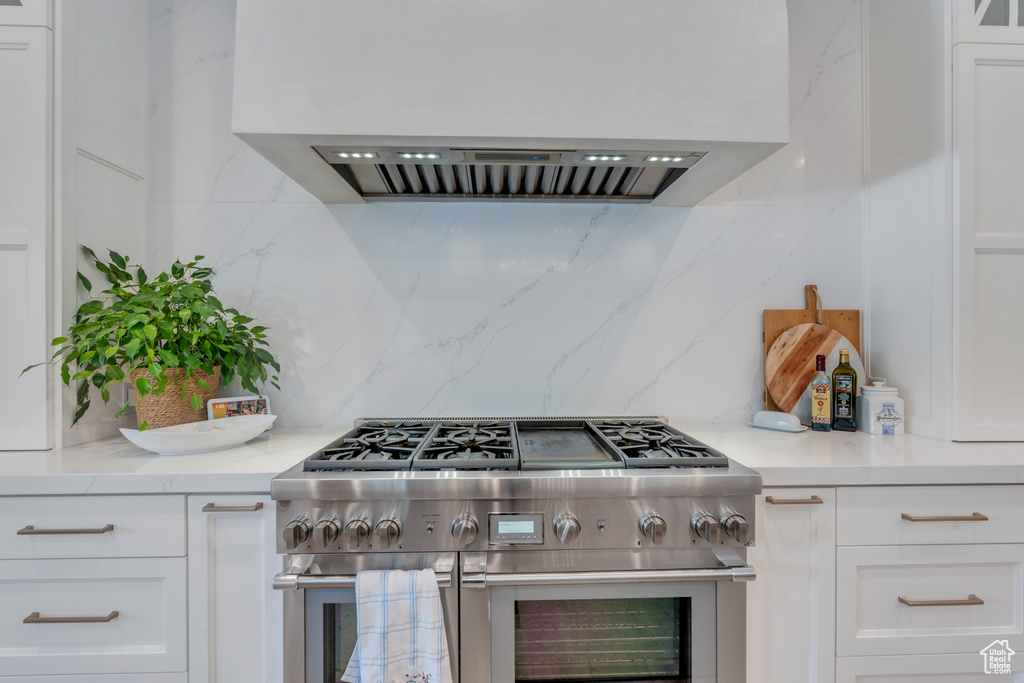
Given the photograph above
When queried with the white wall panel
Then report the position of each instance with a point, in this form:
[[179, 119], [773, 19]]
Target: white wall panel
[[25, 185], [112, 73]]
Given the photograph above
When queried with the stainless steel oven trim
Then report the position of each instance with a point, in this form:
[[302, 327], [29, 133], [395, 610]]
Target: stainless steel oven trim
[[287, 581], [729, 590], [702, 604], [484, 580]]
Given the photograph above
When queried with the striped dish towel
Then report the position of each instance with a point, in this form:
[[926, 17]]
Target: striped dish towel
[[400, 629]]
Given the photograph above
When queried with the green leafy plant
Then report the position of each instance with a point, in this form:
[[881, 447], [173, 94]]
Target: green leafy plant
[[170, 321]]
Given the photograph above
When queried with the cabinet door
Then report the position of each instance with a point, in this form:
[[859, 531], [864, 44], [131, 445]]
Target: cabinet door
[[791, 605], [988, 214], [235, 631], [25, 216]]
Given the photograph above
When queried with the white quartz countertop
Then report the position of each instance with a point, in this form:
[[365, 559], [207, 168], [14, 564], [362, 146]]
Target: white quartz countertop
[[857, 459], [115, 466]]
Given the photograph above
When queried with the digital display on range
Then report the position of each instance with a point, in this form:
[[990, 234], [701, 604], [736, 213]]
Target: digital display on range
[[515, 527]]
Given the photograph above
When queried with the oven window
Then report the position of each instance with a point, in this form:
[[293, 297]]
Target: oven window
[[624, 640], [339, 639]]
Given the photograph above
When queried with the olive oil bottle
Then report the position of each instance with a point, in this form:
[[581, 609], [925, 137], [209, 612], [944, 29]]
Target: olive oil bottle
[[821, 399], [844, 394]]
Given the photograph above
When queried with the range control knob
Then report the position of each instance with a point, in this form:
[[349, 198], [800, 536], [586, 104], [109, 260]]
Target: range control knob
[[355, 534], [737, 527], [707, 528], [465, 530], [567, 528], [386, 533], [295, 533], [326, 532], [653, 527]]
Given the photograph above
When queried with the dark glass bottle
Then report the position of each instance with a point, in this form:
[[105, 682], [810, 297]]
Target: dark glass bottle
[[844, 394], [821, 399]]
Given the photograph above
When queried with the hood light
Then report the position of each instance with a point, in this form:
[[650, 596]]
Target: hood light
[[603, 157], [356, 155], [416, 155], [664, 159]]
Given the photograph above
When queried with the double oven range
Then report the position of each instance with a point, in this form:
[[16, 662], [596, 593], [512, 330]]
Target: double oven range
[[566, 549]]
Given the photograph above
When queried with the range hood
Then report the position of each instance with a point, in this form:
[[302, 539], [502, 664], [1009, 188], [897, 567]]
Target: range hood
[[651, 101]]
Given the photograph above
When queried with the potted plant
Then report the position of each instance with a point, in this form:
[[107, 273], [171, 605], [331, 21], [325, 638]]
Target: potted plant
[[168, 331]]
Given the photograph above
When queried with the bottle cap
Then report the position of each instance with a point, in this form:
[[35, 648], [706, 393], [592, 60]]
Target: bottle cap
[[820, 362]]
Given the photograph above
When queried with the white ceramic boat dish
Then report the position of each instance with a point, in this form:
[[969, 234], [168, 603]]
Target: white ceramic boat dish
[[782, 422], [196, 437]]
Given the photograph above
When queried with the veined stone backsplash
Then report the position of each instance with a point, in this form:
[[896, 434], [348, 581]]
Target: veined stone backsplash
[[513, 309]]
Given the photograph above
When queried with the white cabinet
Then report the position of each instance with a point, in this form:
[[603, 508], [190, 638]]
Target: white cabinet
[[988, 214], [94, 585], [235, 620], [894, 600], [927, 578], [935, 669], [92, 616], [791, 606], [26, 138]]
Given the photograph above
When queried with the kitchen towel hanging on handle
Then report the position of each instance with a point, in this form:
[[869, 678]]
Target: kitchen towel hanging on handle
[[400, 629]]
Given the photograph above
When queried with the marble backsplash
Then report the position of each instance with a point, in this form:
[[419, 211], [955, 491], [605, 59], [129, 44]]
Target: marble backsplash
[[514, 309]]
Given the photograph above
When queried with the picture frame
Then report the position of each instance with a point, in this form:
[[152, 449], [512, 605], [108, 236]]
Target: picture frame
[[217, 408]]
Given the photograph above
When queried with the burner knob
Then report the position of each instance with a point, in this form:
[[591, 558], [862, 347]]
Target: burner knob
[[386, 533], [707, 528], [737, 527], [465, 530], [355, 534], [295, 533], [653, 528], [567, 528], [325, 532]]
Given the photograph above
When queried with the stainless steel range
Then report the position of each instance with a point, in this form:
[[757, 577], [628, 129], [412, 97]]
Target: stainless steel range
[[566, 549]]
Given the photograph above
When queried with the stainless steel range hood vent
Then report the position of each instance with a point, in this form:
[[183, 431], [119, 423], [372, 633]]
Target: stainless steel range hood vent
[[654, 101], [441, 174]]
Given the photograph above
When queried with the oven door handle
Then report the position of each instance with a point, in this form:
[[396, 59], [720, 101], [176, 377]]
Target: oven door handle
[[288, 581], [483, 579]]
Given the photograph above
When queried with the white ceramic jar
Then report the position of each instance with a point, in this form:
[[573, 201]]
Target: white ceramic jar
[[880, 409]]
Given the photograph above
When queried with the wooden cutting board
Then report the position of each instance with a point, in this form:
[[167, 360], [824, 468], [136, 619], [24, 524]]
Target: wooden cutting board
[[776, 322]]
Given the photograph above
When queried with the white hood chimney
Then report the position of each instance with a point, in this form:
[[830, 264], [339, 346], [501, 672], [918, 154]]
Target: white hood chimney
[[653, 101]]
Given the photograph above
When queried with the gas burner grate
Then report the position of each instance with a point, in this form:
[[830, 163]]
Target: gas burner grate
[[654, 444], [469, 445], [372, 447]]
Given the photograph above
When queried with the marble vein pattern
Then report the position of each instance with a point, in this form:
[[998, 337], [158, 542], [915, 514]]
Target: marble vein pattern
[[476, 309]]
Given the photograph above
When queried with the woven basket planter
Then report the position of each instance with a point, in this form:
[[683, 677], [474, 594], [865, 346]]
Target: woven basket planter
[[167, 408]]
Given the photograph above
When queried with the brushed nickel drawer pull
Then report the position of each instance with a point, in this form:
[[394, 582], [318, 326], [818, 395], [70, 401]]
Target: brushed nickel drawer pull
[[213, 507], [32, 531], [975, 517], [972, 599], [813, 500], [34, 618]]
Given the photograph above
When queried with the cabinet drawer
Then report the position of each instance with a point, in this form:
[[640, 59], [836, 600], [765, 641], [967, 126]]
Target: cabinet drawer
[[872, 583], [923, 515], [144, 600], [92, 526], [967, 668]]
